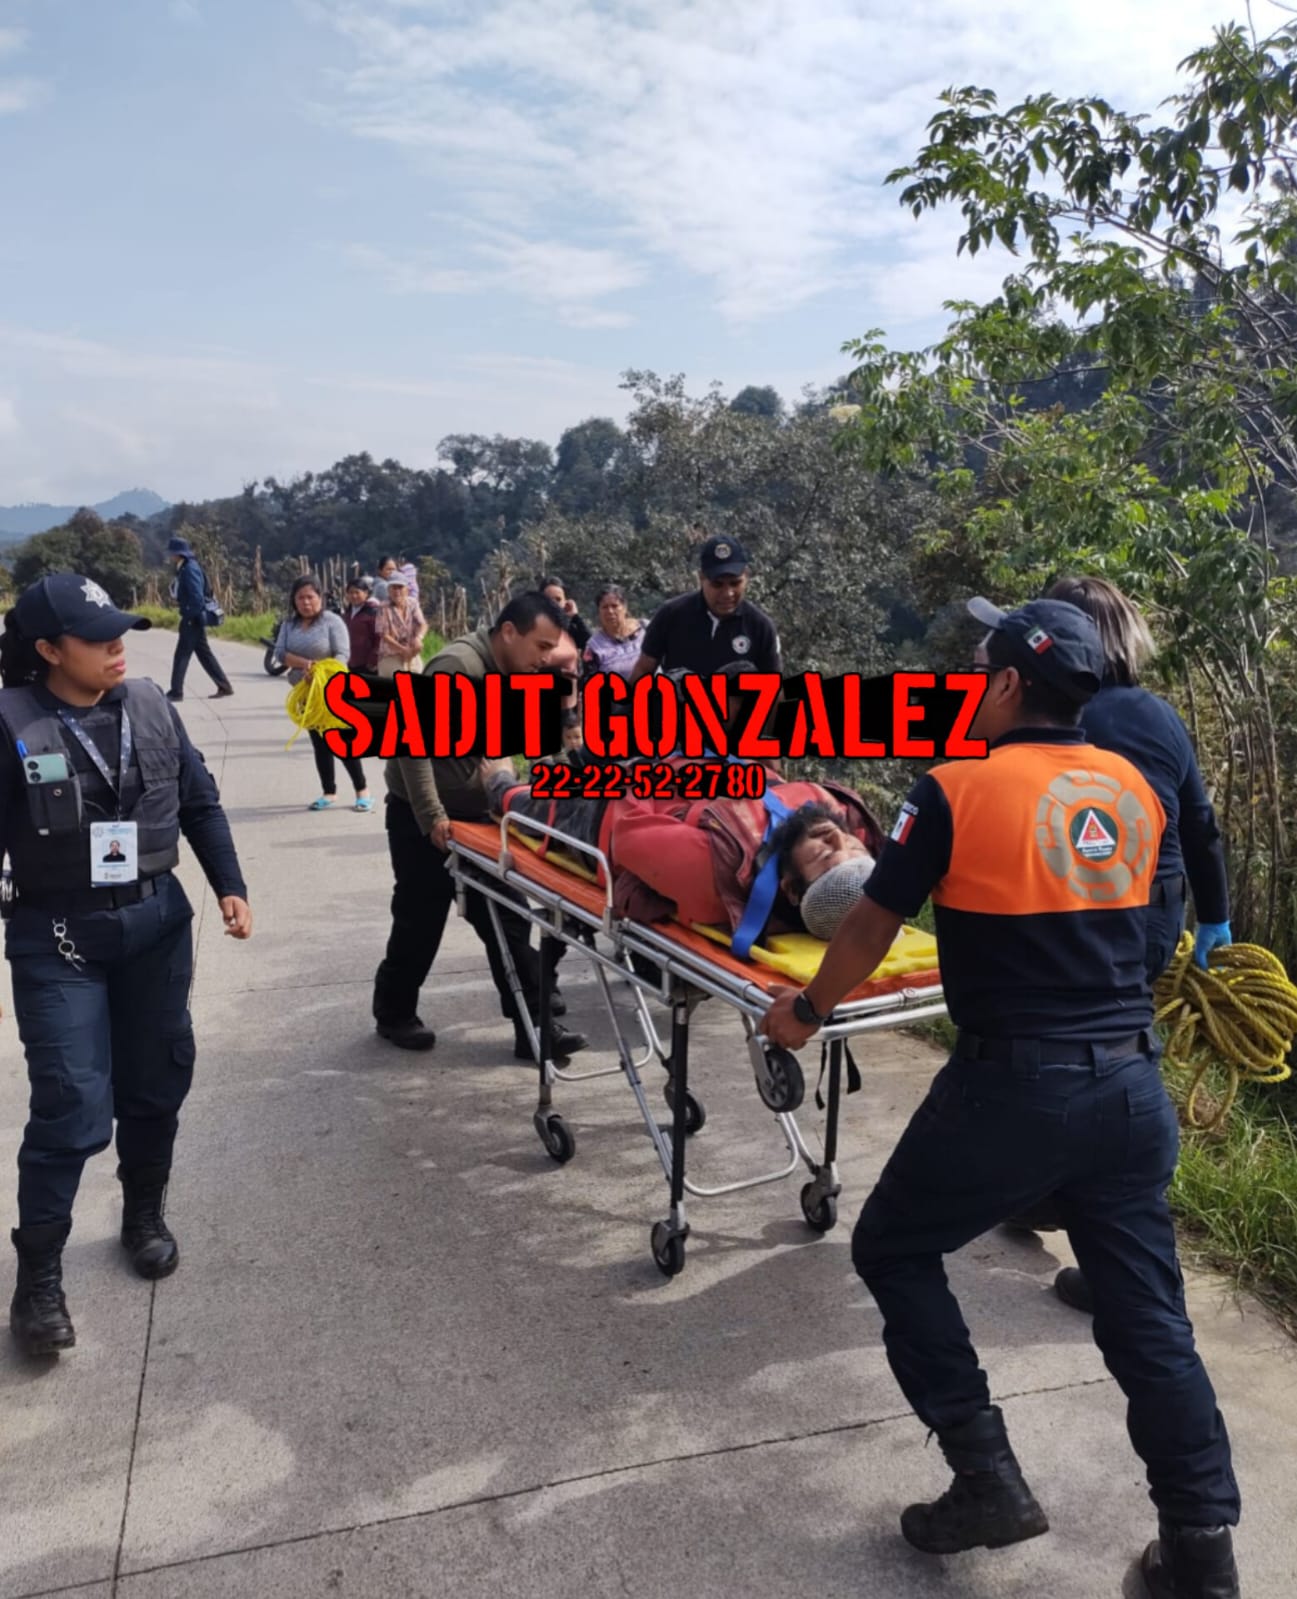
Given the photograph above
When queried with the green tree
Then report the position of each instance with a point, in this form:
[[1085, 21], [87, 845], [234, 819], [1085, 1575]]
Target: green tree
[[589, 467], [107, 552], [1177, 345], [754, 401], [828, 542]]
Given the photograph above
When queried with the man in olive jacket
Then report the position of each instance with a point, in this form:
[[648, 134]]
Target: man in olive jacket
[[423, 798]]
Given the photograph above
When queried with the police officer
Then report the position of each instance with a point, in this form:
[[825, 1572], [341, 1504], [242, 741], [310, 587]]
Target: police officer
[[1039, 861], [706, 630], [100, 949]]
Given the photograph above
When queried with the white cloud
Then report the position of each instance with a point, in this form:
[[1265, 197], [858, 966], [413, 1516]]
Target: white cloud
[[568, 278], [18, 94], [198, 423], [741, 140]]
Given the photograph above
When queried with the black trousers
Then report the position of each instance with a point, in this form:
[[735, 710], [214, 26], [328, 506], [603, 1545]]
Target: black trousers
[[422, 895], [192, 640], [990, 1141], [325, 765], [110, 1038]]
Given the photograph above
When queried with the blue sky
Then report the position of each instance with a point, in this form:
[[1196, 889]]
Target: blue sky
[[245, 237]]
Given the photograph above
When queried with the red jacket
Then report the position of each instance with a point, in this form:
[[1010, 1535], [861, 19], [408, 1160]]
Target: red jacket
[[362, 626], [695, 859]]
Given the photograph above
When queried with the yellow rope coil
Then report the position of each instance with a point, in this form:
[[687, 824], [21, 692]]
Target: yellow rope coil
[[305, 704], [1240, 1016]]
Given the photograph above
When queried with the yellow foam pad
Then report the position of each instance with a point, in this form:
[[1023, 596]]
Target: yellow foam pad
[[556, 855], [798, 955]]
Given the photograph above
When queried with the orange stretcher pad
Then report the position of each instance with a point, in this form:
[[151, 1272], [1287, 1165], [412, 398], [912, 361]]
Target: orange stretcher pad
[[574, 882]]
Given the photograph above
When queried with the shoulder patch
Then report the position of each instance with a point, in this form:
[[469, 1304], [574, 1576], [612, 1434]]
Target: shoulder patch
[[904, 822]]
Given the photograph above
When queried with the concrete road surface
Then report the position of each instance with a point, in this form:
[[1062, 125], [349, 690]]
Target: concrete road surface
[[406, 1354]]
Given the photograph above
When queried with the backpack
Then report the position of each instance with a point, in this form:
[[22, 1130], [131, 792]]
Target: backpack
[[213, 615]]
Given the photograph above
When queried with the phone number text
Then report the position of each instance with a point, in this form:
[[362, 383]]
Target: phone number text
[[693, 780]]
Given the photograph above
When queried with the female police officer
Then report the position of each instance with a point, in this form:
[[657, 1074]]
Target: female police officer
[[100, 948]]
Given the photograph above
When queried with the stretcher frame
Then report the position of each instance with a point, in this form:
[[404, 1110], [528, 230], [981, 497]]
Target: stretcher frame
[[685, 977]]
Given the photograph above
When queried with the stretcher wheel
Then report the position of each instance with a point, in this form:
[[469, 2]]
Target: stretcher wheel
[[668, 1249], [695, 1110], [557, 1138], [820, 1210], [779, 1079]]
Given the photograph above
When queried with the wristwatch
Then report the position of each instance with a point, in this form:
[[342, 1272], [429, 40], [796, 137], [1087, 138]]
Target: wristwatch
[[806, 1013]]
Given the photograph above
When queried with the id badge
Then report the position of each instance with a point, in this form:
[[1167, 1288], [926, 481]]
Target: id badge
[[114, 853]]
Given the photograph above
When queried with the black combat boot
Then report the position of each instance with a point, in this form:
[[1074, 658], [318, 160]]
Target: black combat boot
[[563, 1043], [1191, 1563], [38, 1316], [1071, 1287], [410, 1034], [988, 1505], [145, 1236]]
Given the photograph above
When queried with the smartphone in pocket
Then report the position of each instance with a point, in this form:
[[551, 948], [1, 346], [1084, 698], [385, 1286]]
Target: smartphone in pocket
[[46, 768]]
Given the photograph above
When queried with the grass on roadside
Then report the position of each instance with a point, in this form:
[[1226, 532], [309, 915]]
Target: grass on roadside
[[252, 628], [249, 629], [1236, 1192]]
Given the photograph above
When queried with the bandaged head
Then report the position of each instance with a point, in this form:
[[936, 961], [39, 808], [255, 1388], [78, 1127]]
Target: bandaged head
[[827, 901]]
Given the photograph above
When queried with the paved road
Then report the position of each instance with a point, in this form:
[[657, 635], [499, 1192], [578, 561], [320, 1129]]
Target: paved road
[[405, 1354]]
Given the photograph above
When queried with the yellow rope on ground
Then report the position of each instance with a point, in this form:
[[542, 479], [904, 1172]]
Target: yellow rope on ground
[[1240, 1015], [305, 704]]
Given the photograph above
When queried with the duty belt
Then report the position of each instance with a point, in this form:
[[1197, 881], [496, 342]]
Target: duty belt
[[1051, 1051], [82, 901], [1165, 888]]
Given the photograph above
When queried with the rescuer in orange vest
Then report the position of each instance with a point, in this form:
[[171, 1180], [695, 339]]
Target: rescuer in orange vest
[[1039, 861]]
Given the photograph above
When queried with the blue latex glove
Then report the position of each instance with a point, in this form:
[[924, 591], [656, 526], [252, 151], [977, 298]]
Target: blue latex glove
[[1207, 937]]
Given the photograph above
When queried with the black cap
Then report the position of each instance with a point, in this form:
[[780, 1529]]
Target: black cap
[[65, 603], [722, 557], [1050, 642]]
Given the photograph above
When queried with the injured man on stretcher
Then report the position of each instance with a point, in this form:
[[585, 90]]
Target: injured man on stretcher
[[795, 860]]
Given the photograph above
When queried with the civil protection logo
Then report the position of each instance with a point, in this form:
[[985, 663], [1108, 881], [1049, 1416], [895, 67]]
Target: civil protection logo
[[1095, 834]]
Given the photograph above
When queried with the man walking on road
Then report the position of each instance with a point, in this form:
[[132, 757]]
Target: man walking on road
[[192, 593], [424, 796]]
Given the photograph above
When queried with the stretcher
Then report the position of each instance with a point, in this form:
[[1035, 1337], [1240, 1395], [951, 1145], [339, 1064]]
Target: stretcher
[[568, 896]]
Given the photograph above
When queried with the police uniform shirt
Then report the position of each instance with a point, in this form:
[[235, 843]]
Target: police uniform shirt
[[685, 633], [1039, 861], [202, 820]]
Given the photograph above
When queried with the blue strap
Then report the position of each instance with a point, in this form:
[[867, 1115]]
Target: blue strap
[[765, 886]]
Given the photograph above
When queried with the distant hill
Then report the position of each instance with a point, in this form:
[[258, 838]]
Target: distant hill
[[21, 521]]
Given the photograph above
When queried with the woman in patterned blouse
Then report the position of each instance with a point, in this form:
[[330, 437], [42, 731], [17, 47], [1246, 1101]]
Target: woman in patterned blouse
[[401, 630]]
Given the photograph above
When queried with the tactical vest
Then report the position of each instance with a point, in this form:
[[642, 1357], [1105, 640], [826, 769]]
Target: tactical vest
[[150, 791]]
